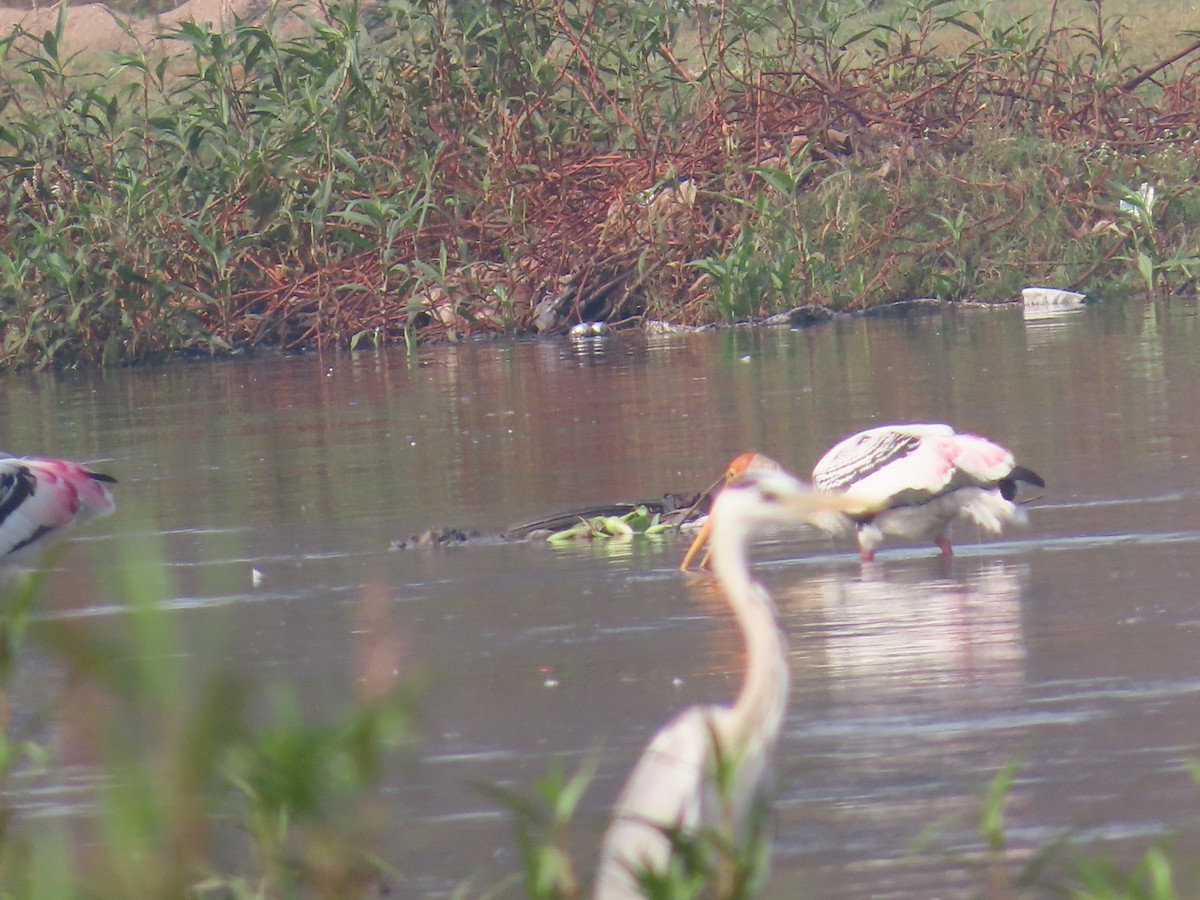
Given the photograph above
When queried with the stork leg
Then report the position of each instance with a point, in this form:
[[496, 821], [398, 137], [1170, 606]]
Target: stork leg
[[866, 554], [943, 544]]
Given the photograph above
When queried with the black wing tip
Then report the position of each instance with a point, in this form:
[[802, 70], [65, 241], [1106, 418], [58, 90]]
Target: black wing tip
[[100, 476]]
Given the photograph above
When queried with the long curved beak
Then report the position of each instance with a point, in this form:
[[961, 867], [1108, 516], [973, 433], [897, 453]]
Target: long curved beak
[[705, 528], [698, 543], [707, 492]]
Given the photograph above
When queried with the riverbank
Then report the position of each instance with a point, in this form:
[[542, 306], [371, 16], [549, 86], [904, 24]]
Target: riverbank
[[402, 172]]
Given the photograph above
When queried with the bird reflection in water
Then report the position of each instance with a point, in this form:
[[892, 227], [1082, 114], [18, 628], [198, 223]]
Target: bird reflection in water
[[911, 691], [898, 630]]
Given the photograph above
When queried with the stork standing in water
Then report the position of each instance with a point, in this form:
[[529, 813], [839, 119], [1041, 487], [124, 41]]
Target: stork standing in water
[[41, 498], [917, 479], [674, 786], [923, 477]]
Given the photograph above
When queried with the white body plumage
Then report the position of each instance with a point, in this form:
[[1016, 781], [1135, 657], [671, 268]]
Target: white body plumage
[[920, 478]]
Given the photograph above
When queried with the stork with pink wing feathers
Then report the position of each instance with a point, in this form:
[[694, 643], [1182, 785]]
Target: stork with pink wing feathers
[[920, 478], [912, 482], [41, 498]]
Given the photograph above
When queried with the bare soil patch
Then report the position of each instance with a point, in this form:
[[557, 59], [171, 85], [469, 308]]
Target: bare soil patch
[[97, 26]]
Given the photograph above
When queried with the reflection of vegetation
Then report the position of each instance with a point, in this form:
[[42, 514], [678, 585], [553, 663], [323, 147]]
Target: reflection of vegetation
[[410, 170], [185, 772]]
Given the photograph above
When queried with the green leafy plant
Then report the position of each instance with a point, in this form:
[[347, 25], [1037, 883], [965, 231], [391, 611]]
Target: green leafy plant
[[409, 171], [541, 826], [1140, 220], [179, 757], [639, 522]]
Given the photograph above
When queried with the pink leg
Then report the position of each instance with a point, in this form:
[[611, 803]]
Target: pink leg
[[866, 554], [943, 543]]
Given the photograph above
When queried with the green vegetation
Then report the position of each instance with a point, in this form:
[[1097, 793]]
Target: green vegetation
[[638, 522], [706, 865], [184, 767], [417, 171], [186, 762]]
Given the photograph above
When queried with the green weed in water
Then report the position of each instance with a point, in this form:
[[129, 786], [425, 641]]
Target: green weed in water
[[640, 522]]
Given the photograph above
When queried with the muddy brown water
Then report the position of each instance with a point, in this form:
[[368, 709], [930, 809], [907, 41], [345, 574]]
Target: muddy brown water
[[1071, 645]]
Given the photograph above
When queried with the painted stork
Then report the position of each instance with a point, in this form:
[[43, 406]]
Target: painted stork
[[675, 786], [922, 478], [911, 481], [42, 498]]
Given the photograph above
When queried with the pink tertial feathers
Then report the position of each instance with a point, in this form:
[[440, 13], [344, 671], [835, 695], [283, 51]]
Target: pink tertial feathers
[[41, 498], [920, 478]]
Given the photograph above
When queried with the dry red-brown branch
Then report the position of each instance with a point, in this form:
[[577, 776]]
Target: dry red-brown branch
[[583, 232]]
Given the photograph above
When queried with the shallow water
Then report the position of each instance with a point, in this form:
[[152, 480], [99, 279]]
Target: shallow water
[[1069, 645]]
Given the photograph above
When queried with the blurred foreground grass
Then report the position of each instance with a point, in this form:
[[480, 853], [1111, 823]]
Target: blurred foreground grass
[[196, 795]]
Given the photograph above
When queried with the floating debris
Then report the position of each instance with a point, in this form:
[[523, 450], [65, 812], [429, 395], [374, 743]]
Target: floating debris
[[645, 517], [1050, 303], [437, 537], [639, 522], [672, 510], [658, 326], [808, 315], [1044, 296], [902, 309], [590, 330]]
